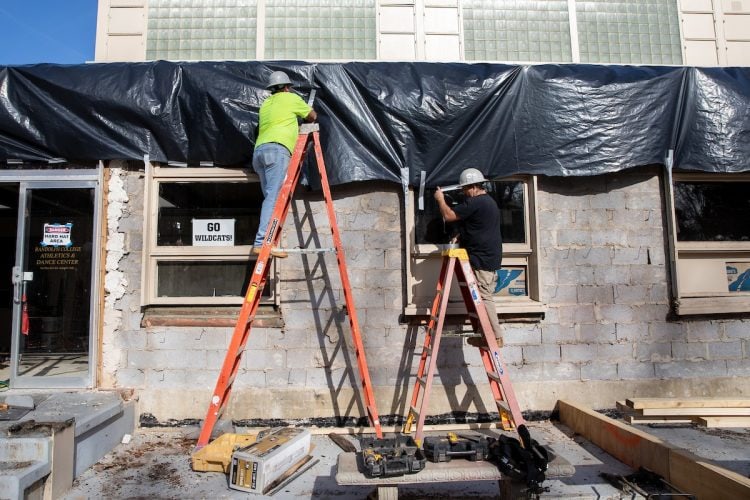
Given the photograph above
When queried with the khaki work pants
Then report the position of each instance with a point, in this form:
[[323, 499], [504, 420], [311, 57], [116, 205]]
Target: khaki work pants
[[487, 280]]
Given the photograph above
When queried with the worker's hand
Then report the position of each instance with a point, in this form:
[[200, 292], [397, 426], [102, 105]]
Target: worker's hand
[[439, 196]]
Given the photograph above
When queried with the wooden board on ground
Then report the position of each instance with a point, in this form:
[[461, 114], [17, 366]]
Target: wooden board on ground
[[641, 403], [688, 472], [698, 412], [640, 419], [724, 422]]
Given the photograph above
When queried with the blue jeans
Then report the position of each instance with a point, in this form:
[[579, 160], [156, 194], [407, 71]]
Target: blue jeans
[[270, 162]]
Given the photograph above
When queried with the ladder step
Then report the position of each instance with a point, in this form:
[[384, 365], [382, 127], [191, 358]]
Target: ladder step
[[413, 411], [422, 381], [493, 376], [502, 406]]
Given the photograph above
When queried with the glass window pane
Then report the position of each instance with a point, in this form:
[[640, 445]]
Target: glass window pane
[[509, 195], [193, 30], [712, 211], [517, 30], [320, 29], [181, 202], [637, 32], [204, 279]]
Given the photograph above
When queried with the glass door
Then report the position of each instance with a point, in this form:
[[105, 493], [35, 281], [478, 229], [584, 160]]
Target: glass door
[[53, 285]]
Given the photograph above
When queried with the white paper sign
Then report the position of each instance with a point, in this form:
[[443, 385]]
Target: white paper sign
[[213, 232], [57, 235]]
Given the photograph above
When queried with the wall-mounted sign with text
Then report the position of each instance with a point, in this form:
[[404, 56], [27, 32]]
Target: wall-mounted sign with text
[[57, 235], [213, 232]]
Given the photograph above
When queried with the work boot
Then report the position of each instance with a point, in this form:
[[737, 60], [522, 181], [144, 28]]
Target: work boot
[[275, 252], [479, 341]]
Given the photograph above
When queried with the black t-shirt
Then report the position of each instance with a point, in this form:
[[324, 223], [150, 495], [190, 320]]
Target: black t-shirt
[[480, 231]]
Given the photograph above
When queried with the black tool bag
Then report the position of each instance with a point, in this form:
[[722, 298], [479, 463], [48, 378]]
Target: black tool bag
[[524, 460], [389, 457], [444, 449]]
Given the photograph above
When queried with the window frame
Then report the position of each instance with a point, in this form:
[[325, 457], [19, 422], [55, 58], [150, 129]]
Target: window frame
[[154, 254], [514, 254], [684, 253]]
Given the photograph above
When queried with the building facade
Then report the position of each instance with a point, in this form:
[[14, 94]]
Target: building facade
[[615, 285]]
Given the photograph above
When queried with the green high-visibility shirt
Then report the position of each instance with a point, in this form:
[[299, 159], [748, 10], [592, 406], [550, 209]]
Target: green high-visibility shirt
[[278, 119]]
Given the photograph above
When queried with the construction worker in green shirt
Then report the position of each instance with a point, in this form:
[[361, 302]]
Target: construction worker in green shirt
[[278, 130]]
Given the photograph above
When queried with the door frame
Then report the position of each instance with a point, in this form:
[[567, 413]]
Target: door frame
[[41, 179]]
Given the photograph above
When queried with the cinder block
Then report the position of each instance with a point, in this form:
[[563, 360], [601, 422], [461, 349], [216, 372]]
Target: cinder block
[[631, 294], [614, 352], [574, 238], [610, 238], [611, 274], [617, 313], [691, 369], [631, 332], [595, 294], [382, 239], [285, 377], [558, 334], [725, 350], [599, 371], [603, 333], [704, 330], [691, 351], [535, 372], [654, 352], [610, 199], [561, 294], [578, 353], [592, 256], [634, 371], [130, 377], [739, 367], [264, 359], [737, 330], [660, 331], [648, 275], [541, 353], [575, 275], [515, 335]]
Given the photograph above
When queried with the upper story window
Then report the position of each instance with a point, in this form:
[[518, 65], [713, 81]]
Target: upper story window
[[711, 236], [518, 281], [199, 234]]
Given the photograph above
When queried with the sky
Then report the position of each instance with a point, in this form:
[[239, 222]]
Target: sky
[[47, 31]]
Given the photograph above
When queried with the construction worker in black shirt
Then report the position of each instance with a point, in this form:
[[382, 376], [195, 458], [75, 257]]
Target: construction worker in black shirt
[[479, 233]]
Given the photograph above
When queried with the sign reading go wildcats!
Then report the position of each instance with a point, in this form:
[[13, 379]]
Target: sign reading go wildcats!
[[213, 232]]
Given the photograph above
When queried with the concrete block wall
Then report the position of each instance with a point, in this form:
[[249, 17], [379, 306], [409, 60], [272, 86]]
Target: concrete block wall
[[607, 333]]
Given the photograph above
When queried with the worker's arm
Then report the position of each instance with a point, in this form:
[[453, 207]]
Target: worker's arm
[[311, 116], [445, 211]]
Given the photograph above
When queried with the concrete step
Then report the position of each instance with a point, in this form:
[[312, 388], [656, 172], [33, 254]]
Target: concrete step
[[65, 434]]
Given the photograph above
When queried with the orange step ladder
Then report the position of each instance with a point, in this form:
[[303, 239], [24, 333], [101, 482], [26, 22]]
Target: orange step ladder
[[308, 133], [456, 262]]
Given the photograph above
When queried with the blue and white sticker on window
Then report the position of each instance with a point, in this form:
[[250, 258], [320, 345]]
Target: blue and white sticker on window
[[511, 281], [738, 276], [57, 235]]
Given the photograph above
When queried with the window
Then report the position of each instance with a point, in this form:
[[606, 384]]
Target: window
[[518, 280], [711, 241], [320, 29], [519, 30], [201, 29], [633, 31], [199, 234]]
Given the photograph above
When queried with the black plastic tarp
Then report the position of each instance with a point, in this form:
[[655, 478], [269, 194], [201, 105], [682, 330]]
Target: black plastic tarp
[[379, 118]]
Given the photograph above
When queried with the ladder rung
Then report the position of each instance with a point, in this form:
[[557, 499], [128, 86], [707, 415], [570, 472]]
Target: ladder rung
[[413, 411], [493, 376], [422, 381], [502, 405]]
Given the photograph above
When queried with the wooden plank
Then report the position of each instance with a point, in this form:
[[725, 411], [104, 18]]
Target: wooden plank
[[640, 419], [697, 412], [688, 472], [641, 403], [717, 422], [627, 444]]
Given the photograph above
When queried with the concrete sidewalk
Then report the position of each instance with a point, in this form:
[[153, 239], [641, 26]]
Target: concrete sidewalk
[[156, 464]]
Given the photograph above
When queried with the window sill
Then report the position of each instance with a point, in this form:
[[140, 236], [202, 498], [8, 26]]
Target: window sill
[[507, 310], [265, 317], [687, 306]]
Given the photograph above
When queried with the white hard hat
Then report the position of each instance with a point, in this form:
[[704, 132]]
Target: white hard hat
[[278, 78], [471, 176]]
